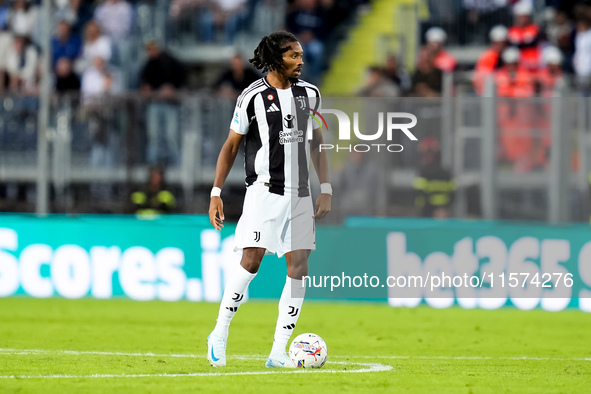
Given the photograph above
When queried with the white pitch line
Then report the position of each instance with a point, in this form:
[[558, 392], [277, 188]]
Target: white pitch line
[[97, 353], [262, 357], [525, 358], [369, 367]]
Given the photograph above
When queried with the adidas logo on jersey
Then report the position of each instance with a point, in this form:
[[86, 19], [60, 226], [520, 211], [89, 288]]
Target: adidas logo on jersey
[[273, 108]]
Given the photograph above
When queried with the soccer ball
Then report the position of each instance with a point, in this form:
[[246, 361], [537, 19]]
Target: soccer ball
[[308, 351]]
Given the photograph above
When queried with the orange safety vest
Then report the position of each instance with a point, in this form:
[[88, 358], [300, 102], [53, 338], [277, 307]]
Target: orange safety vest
[[516, 118], [526, 39], [519, 84], [548, 81], [486, 65], [445, 61]]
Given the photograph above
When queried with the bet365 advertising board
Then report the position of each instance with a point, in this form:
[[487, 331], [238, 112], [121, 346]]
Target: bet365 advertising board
[[405, 262]]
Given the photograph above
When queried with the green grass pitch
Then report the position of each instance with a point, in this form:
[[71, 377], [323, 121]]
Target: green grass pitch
[[79, 346]]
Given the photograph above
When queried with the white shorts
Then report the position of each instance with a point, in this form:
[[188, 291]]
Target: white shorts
[[280, 224]]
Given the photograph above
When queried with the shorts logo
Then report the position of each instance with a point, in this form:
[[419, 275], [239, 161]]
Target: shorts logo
[[288, 121], [257, 236]]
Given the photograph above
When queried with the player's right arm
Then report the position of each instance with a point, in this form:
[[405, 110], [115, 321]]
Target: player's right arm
[[222, 169]]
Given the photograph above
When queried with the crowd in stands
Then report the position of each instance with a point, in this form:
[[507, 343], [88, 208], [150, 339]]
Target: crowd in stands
[[531, 53], [525, 58], [84, 30], [101, 50], [82, 33], [95, 46]]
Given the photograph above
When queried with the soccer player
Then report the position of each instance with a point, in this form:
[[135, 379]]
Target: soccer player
[[278, 214]]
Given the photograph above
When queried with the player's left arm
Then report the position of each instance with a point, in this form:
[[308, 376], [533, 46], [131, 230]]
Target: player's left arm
[[320, 161]]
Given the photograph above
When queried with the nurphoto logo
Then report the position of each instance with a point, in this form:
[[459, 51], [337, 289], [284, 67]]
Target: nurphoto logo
[[392, 124]]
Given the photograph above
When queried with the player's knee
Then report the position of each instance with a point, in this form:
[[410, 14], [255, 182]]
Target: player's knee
[[299, 264], [298, 271], [251, 259]]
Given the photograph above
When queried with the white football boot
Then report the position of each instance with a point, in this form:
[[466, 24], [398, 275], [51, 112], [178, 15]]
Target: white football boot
[[279, 360], [216, 350]]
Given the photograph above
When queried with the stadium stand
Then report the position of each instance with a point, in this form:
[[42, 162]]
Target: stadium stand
[[99, 140]]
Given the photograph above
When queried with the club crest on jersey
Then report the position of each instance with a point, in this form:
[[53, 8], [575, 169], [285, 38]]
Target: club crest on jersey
[[289, 121], [270, 97], [302, 102]]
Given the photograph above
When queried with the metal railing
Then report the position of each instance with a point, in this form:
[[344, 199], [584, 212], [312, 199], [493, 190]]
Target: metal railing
[[494, 141], [106, 142], [100, 150]]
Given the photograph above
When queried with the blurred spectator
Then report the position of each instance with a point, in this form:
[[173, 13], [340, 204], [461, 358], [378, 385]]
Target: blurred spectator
[[434, 185], [582, 56], [549, 81], [66, 80], [442, 59], [95, 45], [512, 79], [560, 32], [23, 18], [226, 14], [5, 41], [490, 61], [98, 82], [179, 7], [184, 25], [444, 13], [76, 12], [161, 77], [4, 15], [479, 16], [115, 18], [154, 199], [550, 76], [427, 79], [517, 114], [525, 35], [378, 84], [149, 17], [397, 74], [307, 22], [21, 65], [64, 43], [236, 79], [21, 69]]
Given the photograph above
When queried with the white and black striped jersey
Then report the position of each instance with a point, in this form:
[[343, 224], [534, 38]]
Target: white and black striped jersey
[[277, 127]]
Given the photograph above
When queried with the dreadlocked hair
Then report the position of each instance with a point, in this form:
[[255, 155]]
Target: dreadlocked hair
[[268, 55]]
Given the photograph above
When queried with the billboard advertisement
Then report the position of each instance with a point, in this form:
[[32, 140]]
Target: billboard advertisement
[[405, 262]]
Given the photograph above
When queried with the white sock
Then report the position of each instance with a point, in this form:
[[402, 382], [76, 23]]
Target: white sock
[[290, 307], [233, 296]]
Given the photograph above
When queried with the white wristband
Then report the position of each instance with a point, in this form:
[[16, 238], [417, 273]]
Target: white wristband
[[326, 188], [215, 192]]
